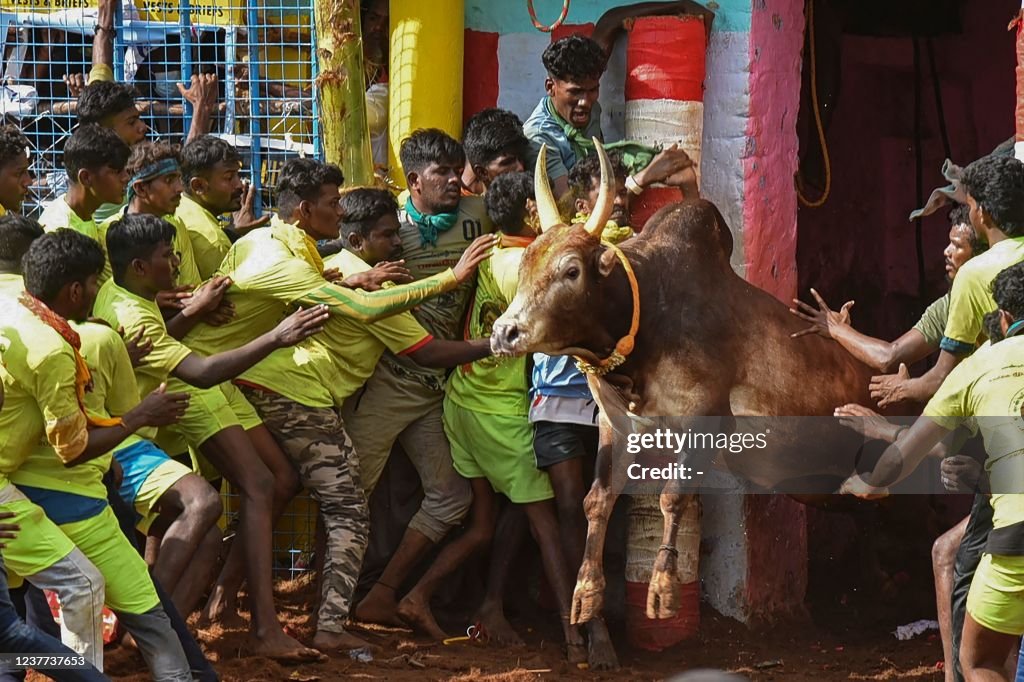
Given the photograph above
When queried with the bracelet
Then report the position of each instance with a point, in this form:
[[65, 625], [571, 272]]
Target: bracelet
[[97, 28], [633, 186], [669, 548], [899, 432]]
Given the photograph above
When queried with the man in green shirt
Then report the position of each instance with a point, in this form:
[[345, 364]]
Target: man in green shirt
[[15, 178], [272, 269], [95, 159], [144, 262], [213, 186]]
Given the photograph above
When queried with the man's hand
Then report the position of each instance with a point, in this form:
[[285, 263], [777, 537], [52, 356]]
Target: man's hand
[[159, 408], [668, 165], [202, 93], [960, 474], [207, 298], [300, 325], [244, 220], [473, 256], [8, 531], [75, 83], [855, 485], [823, 319], [889, 389], [173, 299], [867, 422], [221, 315], [333, 275], [138, 346], [374, 278]]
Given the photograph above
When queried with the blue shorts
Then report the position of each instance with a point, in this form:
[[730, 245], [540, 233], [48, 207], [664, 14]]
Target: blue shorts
[[138, 461]]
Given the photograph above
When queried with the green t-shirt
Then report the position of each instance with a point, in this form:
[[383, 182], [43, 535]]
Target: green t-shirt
[[58, 215], [971, 295], [188, 272], [114, 392], [442, 316], [209, 241], [37, 367], [120, 307], [932, 324], [986, 392], [273, 270], [493, 385]]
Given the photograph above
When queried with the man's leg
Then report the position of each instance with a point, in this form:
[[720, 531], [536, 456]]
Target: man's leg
[[17, 637], [544, 526], [943, 558], [512, 528], [187, 558], [967, 557], [130, 594], [315, 440], [446, 500]]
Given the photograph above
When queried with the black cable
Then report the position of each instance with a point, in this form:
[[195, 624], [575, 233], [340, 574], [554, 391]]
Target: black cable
[[937, 89], [918, 168]]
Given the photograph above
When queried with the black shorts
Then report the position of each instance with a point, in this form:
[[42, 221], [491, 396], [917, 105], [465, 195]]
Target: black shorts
[[555, 442]]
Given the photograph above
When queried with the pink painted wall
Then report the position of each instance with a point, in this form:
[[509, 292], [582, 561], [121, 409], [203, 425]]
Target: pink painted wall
[[769, 210], [860, 245]]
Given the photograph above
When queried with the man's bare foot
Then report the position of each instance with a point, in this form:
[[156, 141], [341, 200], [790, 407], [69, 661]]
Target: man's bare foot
[[378, 606], [340, 641], [497, 627], [417, 614], [575, 647], [278, 646], [601, 651]]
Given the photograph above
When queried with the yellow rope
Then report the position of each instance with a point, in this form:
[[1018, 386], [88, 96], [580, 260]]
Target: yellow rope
[[820, 201], [626, 344]]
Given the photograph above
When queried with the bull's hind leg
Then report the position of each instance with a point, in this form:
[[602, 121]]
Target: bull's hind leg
[[588, 597], [663, 591]]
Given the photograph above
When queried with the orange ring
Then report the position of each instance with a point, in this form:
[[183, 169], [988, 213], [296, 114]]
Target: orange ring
[[558, 22]]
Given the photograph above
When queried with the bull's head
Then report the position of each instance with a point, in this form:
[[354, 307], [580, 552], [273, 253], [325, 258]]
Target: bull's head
[[562, 280]]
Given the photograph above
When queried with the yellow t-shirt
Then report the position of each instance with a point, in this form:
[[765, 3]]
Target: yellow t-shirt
[[209, 242], [986, 392], [273, 269], [37, 367], [120, 307], [493, 385], [58, 214], [114, 392], [188, 273], [971, 295]]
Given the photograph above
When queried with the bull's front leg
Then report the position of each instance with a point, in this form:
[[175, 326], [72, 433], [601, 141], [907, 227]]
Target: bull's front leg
[[588, 597], [663, 591]]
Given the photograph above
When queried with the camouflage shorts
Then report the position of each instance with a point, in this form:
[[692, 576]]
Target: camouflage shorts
[[316, 442]]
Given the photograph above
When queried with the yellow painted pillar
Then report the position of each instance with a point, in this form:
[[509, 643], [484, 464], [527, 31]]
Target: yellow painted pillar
[[425, 71]]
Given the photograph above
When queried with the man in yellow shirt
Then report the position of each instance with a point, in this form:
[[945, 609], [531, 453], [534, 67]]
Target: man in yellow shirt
[[995, 196], [45, 381], [272, 269], [95, 159], [15, 178], [144, 262], [213, 186], [984, 393]]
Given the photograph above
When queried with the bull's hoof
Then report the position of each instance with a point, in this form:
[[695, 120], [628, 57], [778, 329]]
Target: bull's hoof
[[663, 593], [587, 599]]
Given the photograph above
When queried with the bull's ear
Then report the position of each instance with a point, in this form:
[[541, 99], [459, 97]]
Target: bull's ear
[[607, 262]]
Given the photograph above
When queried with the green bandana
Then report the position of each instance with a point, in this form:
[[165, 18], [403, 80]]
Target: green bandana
[[430, 225], [635, 156]]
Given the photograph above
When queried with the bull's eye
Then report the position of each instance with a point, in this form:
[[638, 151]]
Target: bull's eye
[[572, 272]]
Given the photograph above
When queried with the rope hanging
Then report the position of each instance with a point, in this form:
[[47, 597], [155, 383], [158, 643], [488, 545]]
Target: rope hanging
[[558, 22]]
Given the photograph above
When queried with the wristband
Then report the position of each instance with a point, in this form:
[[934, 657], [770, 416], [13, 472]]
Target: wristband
[[633, 186]]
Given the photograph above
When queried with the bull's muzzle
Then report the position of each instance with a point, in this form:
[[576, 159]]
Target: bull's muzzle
[[506, 336]]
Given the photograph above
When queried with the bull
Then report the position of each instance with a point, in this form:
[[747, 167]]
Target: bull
[[664, 326]]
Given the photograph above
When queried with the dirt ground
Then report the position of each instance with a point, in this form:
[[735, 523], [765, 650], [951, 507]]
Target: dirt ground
[[795, 652]]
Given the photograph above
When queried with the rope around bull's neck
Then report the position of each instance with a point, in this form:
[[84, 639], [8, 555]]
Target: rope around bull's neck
[[625, 345]]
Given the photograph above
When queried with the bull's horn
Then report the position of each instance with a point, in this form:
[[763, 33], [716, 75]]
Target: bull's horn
[[605, 197], [547, 208]]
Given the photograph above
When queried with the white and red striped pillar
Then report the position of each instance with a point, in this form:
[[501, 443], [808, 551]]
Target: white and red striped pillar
[[665, 69]]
